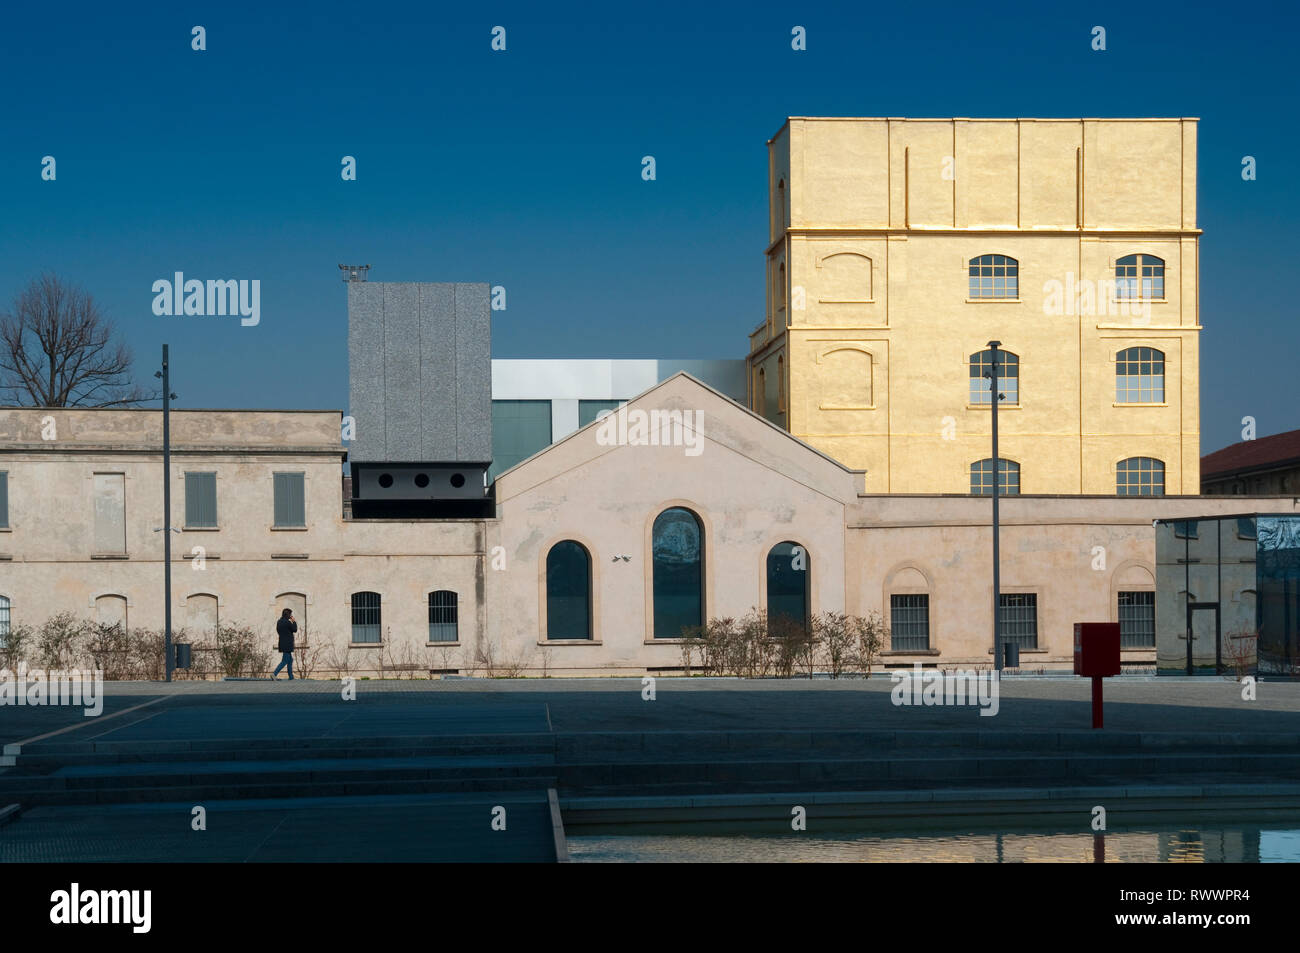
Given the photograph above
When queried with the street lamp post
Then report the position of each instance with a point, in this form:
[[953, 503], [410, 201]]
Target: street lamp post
[[167, 396], [994, 396]]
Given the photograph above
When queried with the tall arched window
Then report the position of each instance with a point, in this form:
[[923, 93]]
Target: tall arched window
[[981, 477], [787, 583], [1140, 276], [760, 393], [568, 591], [994, 276], [677, 545], [444, 625], [780, 383], [780, 205], [981, 383], [1140, 476], [366, 619], [1140, 376]]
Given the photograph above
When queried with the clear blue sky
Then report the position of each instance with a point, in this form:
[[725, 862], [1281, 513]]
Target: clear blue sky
[[523, 169]]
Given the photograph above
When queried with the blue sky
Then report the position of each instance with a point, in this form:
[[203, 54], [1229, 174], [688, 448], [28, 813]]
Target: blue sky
[[523, 169]]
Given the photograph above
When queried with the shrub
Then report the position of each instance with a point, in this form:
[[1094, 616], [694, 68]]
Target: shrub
[[58, 641], [15, 646]]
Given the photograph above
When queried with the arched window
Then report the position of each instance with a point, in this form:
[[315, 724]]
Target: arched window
[[1140, 276], [981, 477], [787, 583], [1140, 476], [780, 205], [994, 276], [780, 287], [443, 622], [677, 545], [4, 621], [110, 609], [568, 591], [366, 627], [1140, 376], [202, 615], [760, 394], [981, 381], [780, 383]]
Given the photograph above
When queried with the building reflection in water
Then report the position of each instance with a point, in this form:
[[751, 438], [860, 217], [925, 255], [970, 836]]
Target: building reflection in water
[[1183, 845]]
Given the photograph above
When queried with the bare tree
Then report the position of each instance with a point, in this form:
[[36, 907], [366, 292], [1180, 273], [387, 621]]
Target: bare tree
[[57, 349]]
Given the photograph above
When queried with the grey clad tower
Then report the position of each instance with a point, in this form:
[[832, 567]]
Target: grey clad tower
[[420, 391]]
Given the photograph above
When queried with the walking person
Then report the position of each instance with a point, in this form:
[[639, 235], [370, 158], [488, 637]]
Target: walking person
[[285, 628]]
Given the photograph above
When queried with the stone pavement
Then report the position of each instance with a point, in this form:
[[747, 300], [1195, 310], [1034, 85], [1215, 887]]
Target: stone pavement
[[413, 769]]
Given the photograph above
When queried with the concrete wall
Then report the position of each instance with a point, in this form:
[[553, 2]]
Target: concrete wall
[[750, 483]]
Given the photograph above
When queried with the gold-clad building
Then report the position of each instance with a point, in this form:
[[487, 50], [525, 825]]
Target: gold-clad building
[[899, 248]]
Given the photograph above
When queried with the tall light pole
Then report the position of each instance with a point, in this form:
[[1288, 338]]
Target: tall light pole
[[167, 397], [997, 476]]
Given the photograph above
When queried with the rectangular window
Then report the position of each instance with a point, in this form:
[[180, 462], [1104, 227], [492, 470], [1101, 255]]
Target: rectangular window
[[1018, 619], [4, 621], [290, 502], [520, 428], [200, 500], [589, 410], [909, 623], [110, 513], [4, 499], [1137, 620], [442, 617], [366, 621]]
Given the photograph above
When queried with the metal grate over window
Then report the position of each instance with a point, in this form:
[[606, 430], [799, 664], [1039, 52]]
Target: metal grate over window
[[1018, 619], [366, 621], [1137, 620], [443, 626], [909, 623]]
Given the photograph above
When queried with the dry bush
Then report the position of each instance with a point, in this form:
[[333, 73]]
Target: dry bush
[[15, 646], [58, 641]]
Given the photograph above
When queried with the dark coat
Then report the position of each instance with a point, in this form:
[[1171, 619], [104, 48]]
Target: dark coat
[[285, 628]]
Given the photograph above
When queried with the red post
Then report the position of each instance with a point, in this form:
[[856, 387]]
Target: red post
[[1096, 701]]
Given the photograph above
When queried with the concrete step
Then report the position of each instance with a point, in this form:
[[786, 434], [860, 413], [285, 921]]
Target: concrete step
[[575, 746], [253, 748], [37, 758], [1035, 769], [305, 787], [155, 774]]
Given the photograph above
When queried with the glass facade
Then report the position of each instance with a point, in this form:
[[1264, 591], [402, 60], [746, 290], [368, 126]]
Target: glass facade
[[568, 591], [787, 583], [1233, 585], [678, 548], [520, 428]]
